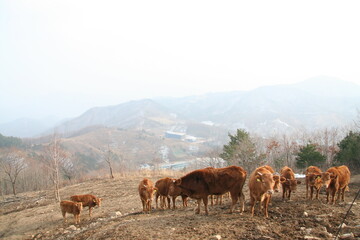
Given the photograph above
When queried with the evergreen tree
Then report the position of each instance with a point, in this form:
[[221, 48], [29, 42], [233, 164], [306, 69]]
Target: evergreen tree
[[241, 151], [309, 156], [349, 153], [10, 142]]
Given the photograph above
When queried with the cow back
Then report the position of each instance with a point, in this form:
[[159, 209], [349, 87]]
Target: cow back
[[207, 181]]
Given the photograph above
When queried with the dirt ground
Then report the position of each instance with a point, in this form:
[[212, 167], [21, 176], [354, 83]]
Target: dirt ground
[[36, 215]]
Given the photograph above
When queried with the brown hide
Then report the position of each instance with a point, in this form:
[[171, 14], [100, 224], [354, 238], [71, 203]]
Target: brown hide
[[336, 180], [71, 207], [146, 191], [313, 181], [87, 200], [290, 183], [199, 184], [261, 186], [163, 190]]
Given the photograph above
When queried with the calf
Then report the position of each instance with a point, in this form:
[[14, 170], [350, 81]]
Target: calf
[[87, 200], [71, 207], [289, 183], [261, 186], [201, 183], [336, 180], [313, 180], [146, 192], [175, 191], [163, 191]]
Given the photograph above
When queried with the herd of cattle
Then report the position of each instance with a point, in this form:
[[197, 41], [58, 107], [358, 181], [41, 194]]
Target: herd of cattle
[[202, 183]]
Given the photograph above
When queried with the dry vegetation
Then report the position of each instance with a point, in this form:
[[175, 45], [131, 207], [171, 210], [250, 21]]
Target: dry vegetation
[[35, 215]]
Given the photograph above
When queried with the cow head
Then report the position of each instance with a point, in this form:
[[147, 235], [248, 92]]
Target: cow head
[[97, 201], [177, 182], [327, 177], [267, 181], [315, 180], [277, 183], [79, 206], [291, 183]]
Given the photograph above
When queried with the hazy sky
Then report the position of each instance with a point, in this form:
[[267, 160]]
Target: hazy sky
[[60, 57]]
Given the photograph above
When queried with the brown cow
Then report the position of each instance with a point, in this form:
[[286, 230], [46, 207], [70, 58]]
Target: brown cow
[[87, 200], [289, 183], [175, 191], [336, 180], [71, 207], [163, 191], [166, 189], [201, 183], [313, 180], [146, 192], [261, 186]]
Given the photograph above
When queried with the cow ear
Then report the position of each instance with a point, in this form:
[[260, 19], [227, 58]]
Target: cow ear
[[258, 178], [282, 179]]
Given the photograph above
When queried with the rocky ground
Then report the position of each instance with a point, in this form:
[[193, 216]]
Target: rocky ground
[[36, 215]]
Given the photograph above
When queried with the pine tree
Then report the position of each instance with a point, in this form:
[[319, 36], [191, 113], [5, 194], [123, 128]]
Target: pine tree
[[349, 153], [309, 156]]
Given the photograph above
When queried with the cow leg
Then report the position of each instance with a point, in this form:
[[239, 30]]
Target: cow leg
[[327, 195], [212, 200], [339, 195], [143, 204], [90, 211], [64, 215], [168, 201], [156, 199], [307, 189], [197, 210], [311, 192], [184, 200], [205, 200], [242, 202], [266, 205], [333, 196], [289, 194], [317, 193], [234, 199], [173, 200], [343, 194], [252, 205], [284, 192]]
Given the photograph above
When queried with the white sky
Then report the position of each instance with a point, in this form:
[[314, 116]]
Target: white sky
[[62, 57]]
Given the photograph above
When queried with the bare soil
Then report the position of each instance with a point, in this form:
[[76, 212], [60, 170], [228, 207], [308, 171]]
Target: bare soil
[[35, 215]]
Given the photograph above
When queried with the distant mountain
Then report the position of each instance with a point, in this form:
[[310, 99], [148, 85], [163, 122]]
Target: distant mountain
[[140, 114], [26, 127], [313, 104]]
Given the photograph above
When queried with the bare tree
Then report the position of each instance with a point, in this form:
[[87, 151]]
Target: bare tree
[[109, 156], [54, 158], [12, 163]]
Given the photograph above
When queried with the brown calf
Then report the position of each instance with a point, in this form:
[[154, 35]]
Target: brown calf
[[87, 200], [289, 183], [313, 180], [261, 186], [71, 207], [146, 192], [336, 180]]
